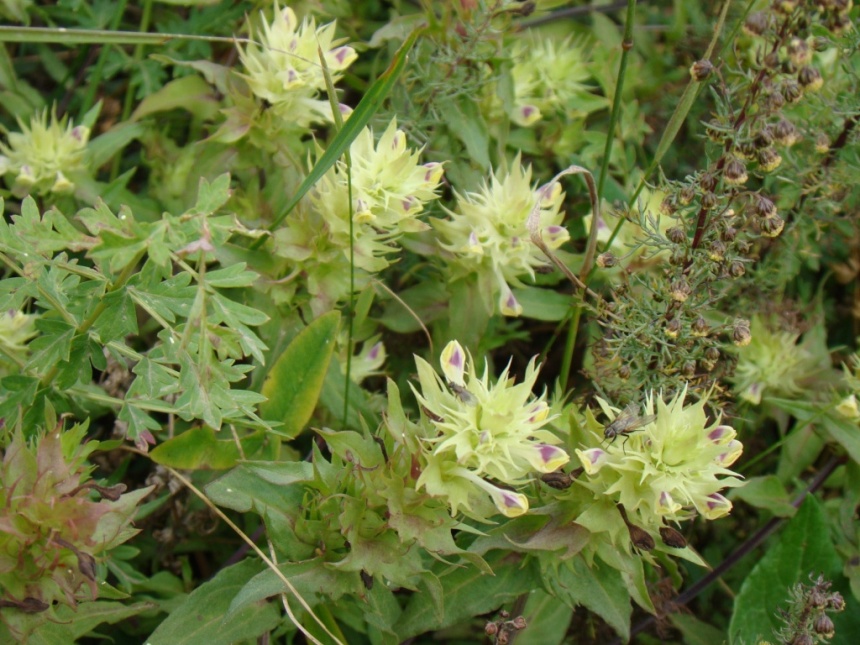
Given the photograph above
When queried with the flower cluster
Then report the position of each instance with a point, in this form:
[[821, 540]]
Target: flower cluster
[[283, 68], [389, 188], [41, 157], [774, 362], [548, 78], [488, 235], [668, 469], [483, 431]]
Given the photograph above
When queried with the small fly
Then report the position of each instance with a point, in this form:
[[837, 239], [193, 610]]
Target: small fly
[[462, 393], [626, 422]]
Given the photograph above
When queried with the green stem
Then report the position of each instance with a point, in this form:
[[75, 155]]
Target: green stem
[[95, 83], [626, 46], [132, 86]]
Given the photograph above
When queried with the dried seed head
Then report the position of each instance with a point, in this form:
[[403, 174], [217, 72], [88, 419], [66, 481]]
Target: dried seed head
[[680, 290], [701, 69], [822, 143], [717, 251], [756, 23], [606, 260], [676, 235], [763, 206], [707, 182], [678, 257], [673, 328], [668, 206], [686, 194], [763, 138], [688, 369], [709, 201], [799, 52], [735, 172], [772, 226], [700, 327], [715, 131], [737, 269], [785, 133], [803, 639], [624, 372], [741, 335], [746, 150], [774, 102], [824, 626], [769, 159], [712, 354], [771, 61], [519, 622], [791, 91], [810, 79], [728, 234], [836, 602]]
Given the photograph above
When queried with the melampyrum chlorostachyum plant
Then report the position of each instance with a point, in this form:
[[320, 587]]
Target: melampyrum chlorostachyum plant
[[372, 521]]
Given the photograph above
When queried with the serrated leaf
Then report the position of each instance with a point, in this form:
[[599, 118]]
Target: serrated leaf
[[212, 196], [469, 592], [598, 587], [197, 449], [233, 276], [119, 318], [53, 345], [313, 580], [293, 384], [242, 489], [202, 617], [803, 548], [765, 492]]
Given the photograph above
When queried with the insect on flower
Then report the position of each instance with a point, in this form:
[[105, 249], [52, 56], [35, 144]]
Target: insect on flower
[[626, 422], [462, 393]]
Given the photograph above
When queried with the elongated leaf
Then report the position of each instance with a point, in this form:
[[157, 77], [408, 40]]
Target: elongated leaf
[[201, 618], [469, 592], [803, 548], [364, 111], [197, 449], [294, 383]]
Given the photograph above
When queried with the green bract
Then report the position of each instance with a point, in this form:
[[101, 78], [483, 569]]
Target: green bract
[[42, 156], [484, 431], [285, 71], [669, 469], [487, 234]]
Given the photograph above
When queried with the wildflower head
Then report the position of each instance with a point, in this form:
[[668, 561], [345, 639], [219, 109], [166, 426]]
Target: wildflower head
[[483, 431], [670, 468], [389, 190], [547, 76], [43, 156], [488, 234], [773, 362], [282, 65]]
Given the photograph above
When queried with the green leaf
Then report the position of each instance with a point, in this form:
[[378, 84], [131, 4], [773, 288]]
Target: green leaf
[[464, 119], [470, 592], [242, 489], [695, 631], [547, 618], [119, 318], [231, 277], [190, 93], [53, 345], [804, 547], [765, 492], [597, 587], [293, 384], [197, 449], [202, 618], [313, 580], [211, 197], [543, 304]]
